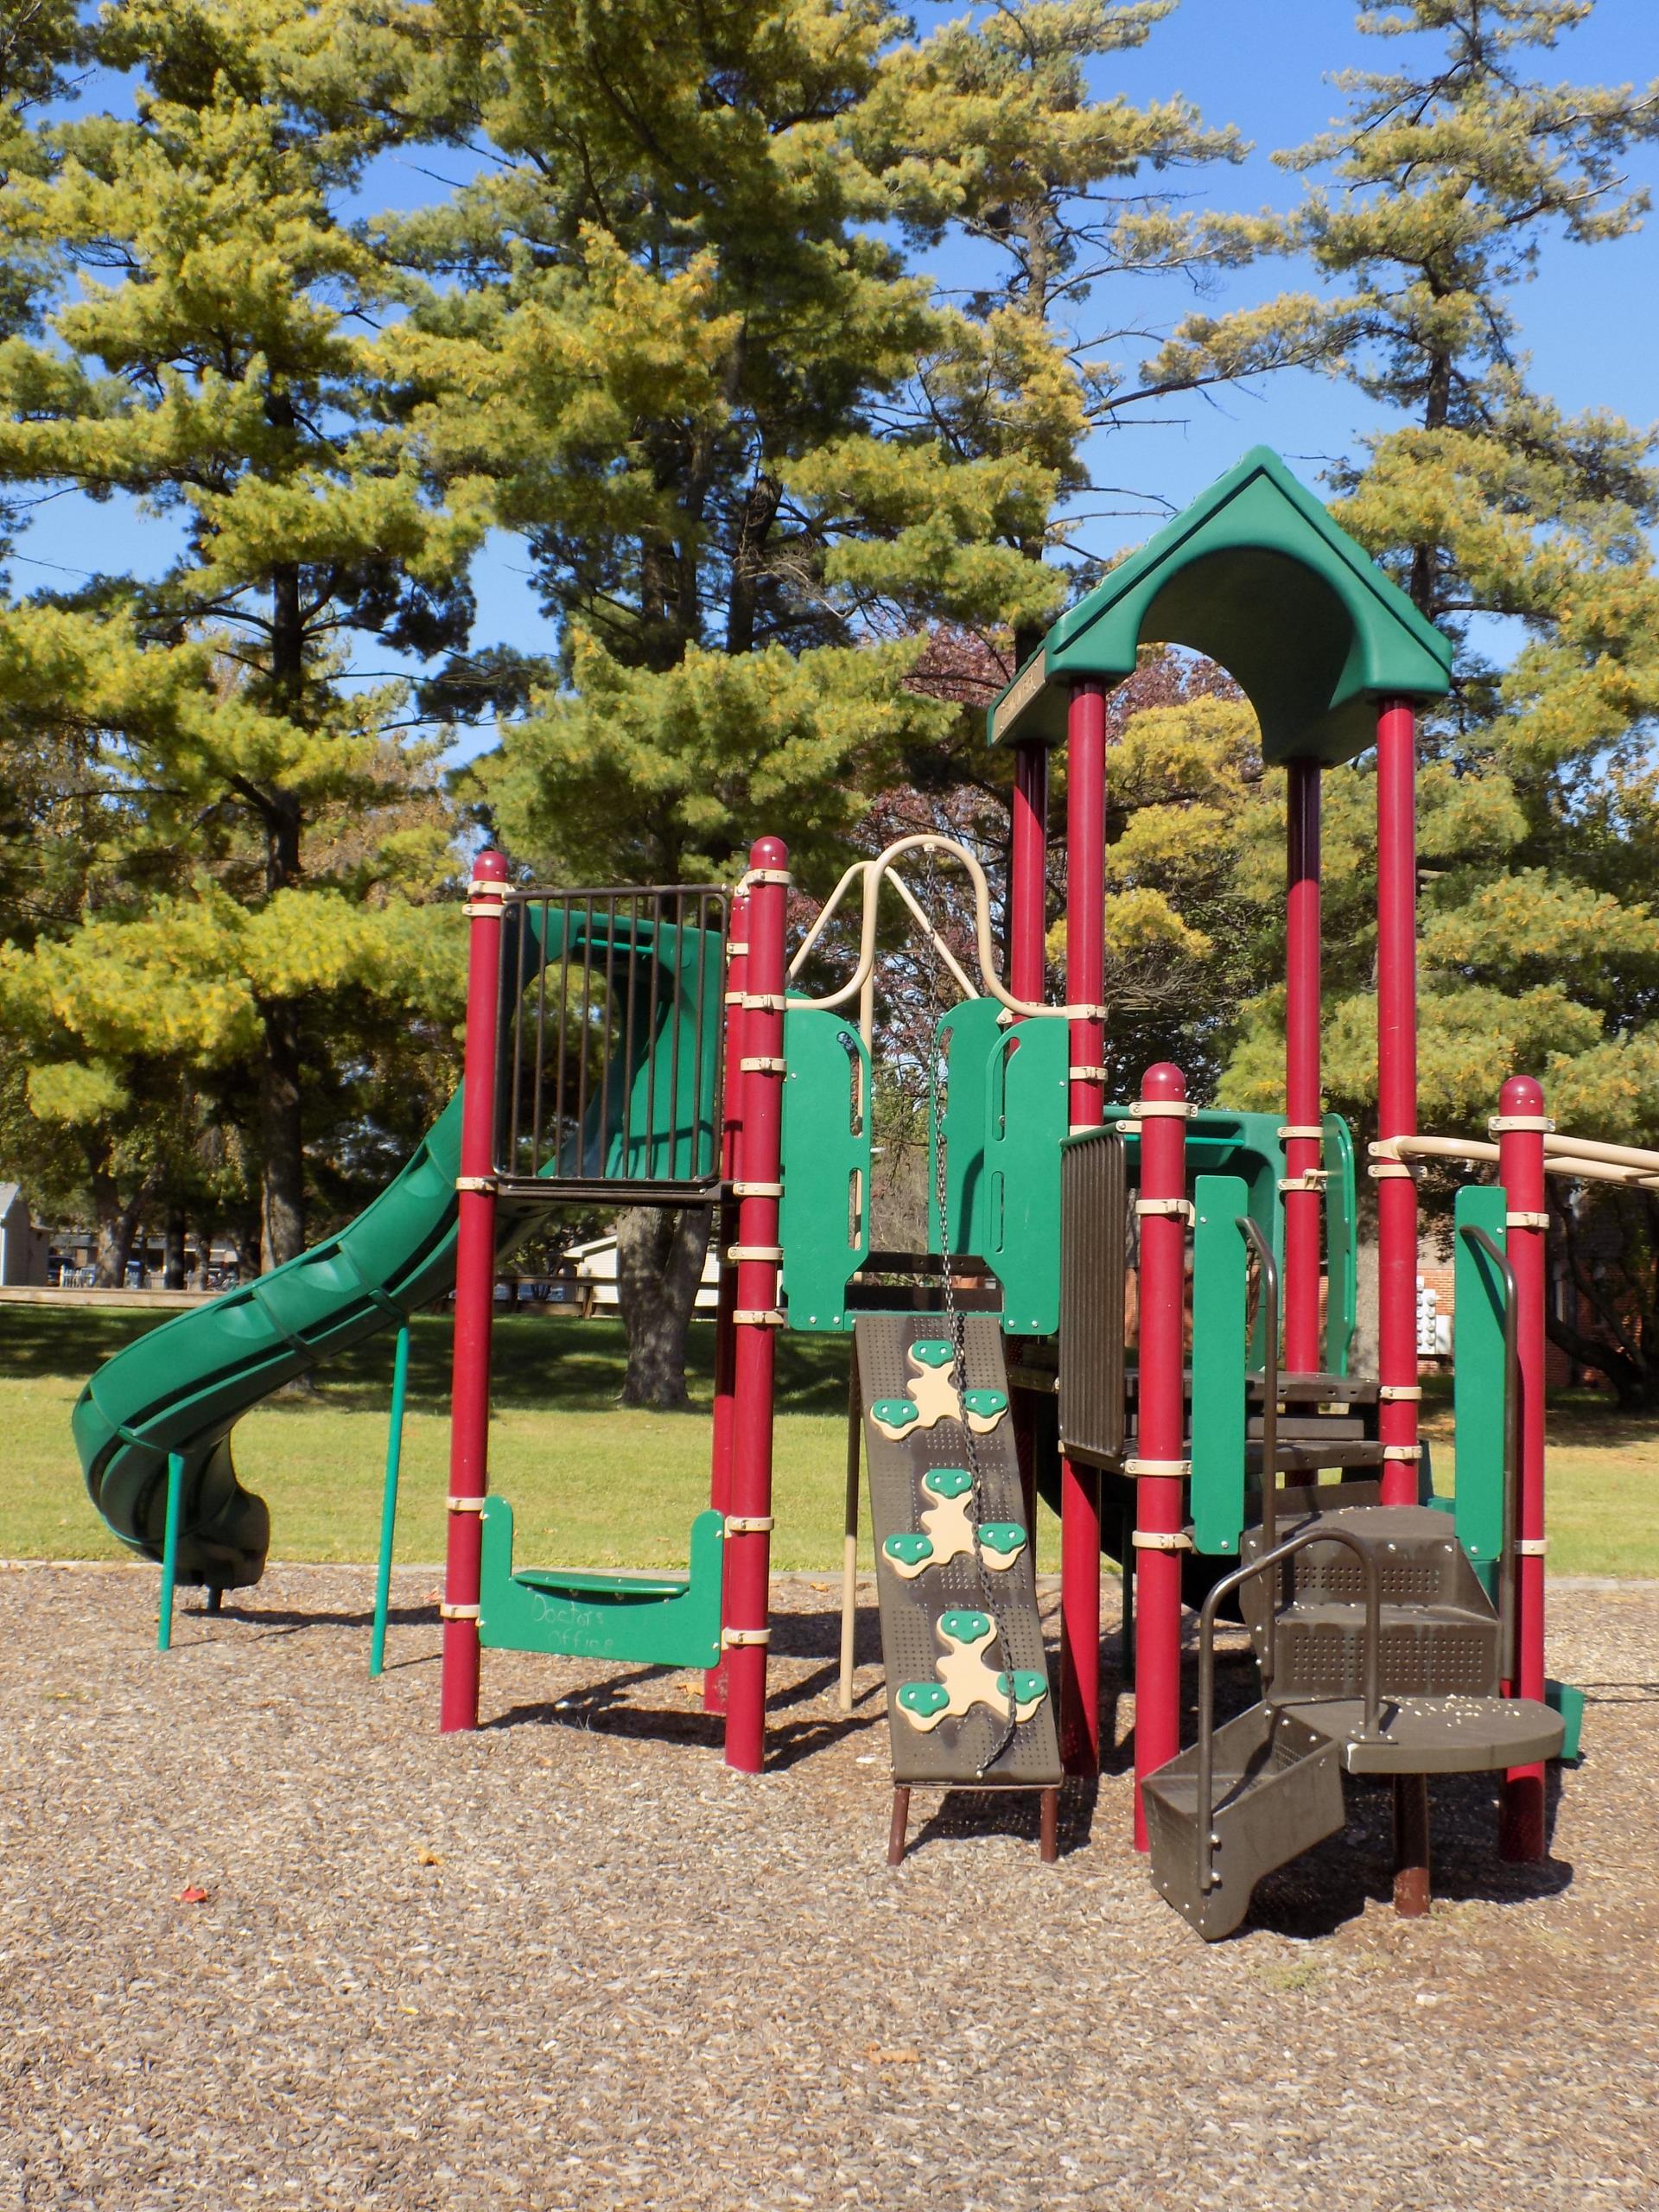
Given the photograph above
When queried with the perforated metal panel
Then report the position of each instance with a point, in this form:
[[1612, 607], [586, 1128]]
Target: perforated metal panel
[[1094, 1239], [911, 1609]]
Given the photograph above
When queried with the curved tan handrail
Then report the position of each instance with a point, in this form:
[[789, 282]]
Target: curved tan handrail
[[871, 872]]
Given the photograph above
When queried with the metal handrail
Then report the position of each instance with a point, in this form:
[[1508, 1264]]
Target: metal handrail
[[1269, 1267], [1371, 1729], [1506, 1570]]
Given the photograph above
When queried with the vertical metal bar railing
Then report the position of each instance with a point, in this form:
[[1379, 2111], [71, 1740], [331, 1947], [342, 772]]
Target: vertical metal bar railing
[[1269, 1278], [605, 1055], [515, 1102], [676, 1022], [584, 1033], [631, 1000]]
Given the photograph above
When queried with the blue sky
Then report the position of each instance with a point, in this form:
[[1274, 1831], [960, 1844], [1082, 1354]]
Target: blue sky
[[1591, 320]]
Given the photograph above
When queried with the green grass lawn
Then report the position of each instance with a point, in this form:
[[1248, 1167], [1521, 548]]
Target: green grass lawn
[[592, 1485]]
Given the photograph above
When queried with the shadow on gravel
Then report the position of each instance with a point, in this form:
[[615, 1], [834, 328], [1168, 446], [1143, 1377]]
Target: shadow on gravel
[[1335, 1882], [978, 1813]]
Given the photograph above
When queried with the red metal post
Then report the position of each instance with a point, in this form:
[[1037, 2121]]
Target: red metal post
[[1085, 984], [1160, 1491], [1521, 1166], [1396, 1097], [1304, 1144], [726, 1229], [748, 1548], [469, 1401]]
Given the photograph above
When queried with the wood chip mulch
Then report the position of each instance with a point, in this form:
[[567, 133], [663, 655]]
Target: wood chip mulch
[[267, 1938]]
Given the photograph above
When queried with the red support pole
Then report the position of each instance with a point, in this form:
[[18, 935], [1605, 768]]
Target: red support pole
[[1304, 1145], [1160, 1438], [1396, 1097], [1085, 984], [748, 1548], [726, 1229], [470, 1402], [1521, 1130]]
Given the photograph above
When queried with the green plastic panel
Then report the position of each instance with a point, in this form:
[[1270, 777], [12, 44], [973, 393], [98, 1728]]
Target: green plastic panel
[[1027, 1113], [1567, 1700], [648, 1620], [1221, 1256], [1255, 575], [1477, 1375], [1341, 1245], [1222, 1142], [825, 1213], [966, 1040]]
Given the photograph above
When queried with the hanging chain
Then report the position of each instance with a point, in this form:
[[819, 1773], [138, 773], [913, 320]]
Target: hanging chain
[[953, 1321]]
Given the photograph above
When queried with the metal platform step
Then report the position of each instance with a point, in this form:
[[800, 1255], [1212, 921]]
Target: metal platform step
[[1276, 1792]]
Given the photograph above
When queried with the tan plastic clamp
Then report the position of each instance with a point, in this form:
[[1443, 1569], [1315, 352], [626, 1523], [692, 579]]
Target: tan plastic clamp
[[740, 1252], [448, 1613], [463, 1504], [1170, 1110], [757, 1190], [1155, 1539], [1523, 1220], [484, 1183], [758, 1317], [762, 1064], [1170, 1207], [1309, 1130], [1402, 1451], [732, 1638], [1530, 1547], [1388, 1391], [1158, 1467], [748, 1524], [1500, 1122]]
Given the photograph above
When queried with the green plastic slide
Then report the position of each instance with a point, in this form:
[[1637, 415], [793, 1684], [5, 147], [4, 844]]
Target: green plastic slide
[[183, 1387]]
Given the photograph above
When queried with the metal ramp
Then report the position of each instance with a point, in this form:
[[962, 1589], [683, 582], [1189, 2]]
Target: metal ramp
[[970, 1703]]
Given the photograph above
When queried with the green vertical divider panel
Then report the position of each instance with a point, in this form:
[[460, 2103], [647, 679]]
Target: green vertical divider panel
[[1027, 1115], [1220, 1280], [966, 1039], [1477, 1375], [1341, 1244], [825, 1213]]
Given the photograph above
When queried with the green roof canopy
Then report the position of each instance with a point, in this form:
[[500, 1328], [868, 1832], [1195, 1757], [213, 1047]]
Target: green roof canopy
[[1256, 575]]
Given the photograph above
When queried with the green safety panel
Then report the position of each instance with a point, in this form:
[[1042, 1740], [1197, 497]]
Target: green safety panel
[[1220, 1259], [648, 1620], [1478, 1374], [1341, 1245], [966, 1041], [825, 1213], [1255, 575], [1027, 1108], [1222, 1142]]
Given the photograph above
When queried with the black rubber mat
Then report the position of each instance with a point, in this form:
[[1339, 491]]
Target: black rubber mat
[[946, 1665]]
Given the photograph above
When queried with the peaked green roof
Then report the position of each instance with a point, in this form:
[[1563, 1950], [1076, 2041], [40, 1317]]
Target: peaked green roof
[[1256, 575]]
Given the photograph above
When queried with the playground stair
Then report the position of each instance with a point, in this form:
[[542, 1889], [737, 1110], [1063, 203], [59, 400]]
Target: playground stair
[[1274, 1786]]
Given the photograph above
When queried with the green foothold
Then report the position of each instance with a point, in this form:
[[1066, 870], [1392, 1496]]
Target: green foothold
[[986, 1403], [895, 1413], [924, 1697], [933, 1351], [1005, 1538], [909, 1550], [1026, 1686], [947, 1482], [963, 1626]]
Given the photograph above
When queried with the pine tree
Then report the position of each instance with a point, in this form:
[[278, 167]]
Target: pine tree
[[216, 356], [1538, 807]]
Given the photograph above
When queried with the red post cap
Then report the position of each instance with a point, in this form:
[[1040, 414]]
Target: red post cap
[[489, 865], [1521, 1094], [768, 852], [1163, 1080]]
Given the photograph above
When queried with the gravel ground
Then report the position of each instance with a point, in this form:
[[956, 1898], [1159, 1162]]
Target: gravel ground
[[572, 1961]]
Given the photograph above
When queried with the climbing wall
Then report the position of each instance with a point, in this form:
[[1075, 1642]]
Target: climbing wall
[[948, 1686]]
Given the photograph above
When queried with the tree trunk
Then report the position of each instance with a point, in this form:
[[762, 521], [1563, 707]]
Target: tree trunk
[[659, 1256], [281, 1191], [117, 1222], [172, 1250]]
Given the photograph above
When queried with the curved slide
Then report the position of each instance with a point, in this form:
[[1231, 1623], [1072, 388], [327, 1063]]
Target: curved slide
[[183, 1387]]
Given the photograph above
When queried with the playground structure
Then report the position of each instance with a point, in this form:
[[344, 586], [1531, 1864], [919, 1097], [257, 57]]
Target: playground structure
[[656, 1045]]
